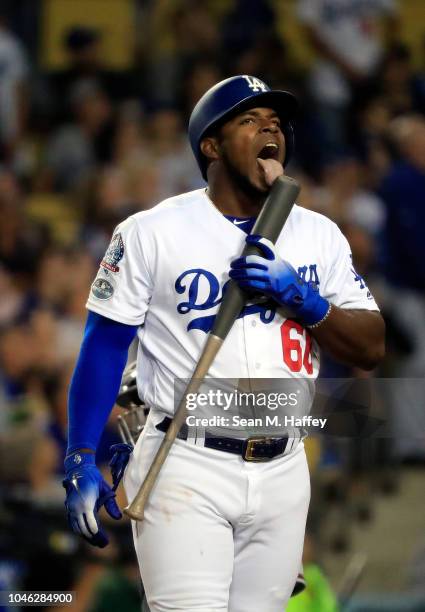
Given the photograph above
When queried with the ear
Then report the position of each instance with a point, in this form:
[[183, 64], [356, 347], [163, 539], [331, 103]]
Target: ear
[[210, 148]]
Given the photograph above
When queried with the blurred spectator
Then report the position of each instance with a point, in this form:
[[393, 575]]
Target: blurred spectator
[[345, 37], [29, 353], [248, 22], [152, 164], [82, 45], [182, 33], [12, 299], [345, 196], [16, 360], [198, 79], [57, 302], [85, 63], [370, 123], [195, 31], [145, 182], [397, 89], [29, 457], [172, 154], [399, 84], [21, 242], [130, 138], [76, 148], [60, 273], [13, 99], [102, 214], [51, 280], [403, 193]]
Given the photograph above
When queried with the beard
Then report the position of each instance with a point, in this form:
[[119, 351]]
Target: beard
[[241, 181]]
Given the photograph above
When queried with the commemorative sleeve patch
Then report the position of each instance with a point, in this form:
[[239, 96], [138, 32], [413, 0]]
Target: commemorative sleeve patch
[[102, 289], [114, 254]]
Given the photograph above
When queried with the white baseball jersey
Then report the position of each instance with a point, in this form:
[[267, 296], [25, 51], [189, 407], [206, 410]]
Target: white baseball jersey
[[165, 270], [220, 533]]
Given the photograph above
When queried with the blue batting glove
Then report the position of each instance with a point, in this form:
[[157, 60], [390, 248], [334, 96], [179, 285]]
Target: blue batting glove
[[86, 493], [269, 274], [119, 462]]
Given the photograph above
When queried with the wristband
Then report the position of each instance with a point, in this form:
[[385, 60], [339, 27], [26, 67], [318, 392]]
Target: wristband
[[78, 459], [328, 312]]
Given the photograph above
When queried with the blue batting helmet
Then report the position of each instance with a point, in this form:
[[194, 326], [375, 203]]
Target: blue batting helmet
[[233, 96]]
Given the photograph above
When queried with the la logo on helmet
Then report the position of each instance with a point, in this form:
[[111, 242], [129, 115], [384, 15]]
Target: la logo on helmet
[[254, 83]]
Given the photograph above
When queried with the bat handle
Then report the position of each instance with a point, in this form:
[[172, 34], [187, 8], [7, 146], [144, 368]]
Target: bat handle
[[135, 510]]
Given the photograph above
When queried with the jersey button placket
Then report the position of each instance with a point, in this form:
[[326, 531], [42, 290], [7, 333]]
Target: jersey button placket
[[251, 335]]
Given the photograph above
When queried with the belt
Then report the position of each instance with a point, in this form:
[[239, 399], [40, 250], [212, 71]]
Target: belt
[[250, 449]]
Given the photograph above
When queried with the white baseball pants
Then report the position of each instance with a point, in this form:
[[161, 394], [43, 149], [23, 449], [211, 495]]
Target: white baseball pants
[[220, 534]]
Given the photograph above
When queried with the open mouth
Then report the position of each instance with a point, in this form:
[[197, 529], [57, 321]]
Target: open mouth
[[269, 151]]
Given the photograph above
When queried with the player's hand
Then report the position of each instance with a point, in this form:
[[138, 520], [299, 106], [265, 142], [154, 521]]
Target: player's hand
[[86, 493], [118, 463], [269, 274]]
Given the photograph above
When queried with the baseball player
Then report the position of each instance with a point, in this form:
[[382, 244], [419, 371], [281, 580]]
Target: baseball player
[[224, 525]]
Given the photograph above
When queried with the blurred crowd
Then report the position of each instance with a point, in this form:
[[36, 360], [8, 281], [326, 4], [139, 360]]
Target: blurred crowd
[[83, 147]]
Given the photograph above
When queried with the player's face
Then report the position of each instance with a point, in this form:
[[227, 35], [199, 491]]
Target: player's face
[[252, 134]]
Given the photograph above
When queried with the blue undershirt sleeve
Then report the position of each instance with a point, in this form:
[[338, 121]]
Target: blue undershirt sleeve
[[96, 379]]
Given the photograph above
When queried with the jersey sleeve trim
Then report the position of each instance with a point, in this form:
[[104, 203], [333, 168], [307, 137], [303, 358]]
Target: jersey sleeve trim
[[119, 318], [373, 307]]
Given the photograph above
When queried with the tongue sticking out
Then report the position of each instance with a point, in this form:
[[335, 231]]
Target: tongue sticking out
[[271, 169]]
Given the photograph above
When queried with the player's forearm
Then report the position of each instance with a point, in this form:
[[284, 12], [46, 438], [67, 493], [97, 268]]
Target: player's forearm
[[96, 380], [353, 337]]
